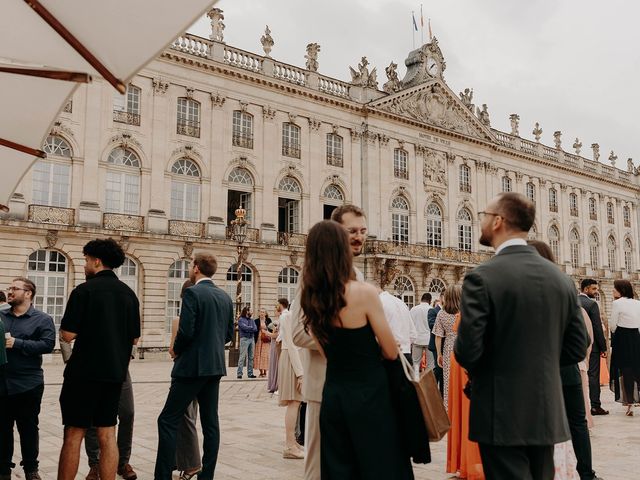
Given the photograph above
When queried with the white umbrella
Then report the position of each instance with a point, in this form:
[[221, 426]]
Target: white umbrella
[[48, 47]]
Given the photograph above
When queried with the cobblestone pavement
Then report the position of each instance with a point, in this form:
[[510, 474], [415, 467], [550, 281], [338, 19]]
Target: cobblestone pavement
[[252, 431]]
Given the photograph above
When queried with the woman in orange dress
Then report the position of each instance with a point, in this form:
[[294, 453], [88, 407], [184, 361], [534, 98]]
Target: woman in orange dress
[[463, 455]]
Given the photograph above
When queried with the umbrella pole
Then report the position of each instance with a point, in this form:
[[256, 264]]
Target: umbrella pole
[[76, 45], [51, 74], [22, 148]]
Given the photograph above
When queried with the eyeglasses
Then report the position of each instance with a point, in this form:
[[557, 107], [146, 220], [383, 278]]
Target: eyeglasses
[[482, 214], [13, 289]]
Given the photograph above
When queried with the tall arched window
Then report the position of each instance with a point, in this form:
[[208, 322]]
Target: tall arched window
[[185, 190], [122, 193], [553, 200], [436, 288], [188, 117], [240, 193], [434, 226], [465, 226], [400, 220], [626, 216], [611, 252], [465, 178], [593, 210], [242, 135], [246, 278], [290, 140], [176, 276], [594, 249], [404, 290], [506, 184], [554, 241], [287, 283], [48, 270], [628, 255], [574, 247], [128, 273], [573, 204], [52, 177], [289, 197], [610, 216], [400, 163], [332, 198], [334, 150], [531, 191], [126, 108]]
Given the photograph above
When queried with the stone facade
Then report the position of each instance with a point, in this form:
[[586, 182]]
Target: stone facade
[[206, 127]]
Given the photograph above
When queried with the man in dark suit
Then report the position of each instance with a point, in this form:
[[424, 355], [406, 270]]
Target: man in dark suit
[[588, 291], [206, 325], [520, 323], [437, 370]]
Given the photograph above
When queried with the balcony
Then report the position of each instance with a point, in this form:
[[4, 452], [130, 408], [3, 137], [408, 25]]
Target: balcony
[[243, 140], [51, 215], [610, 220], [465, 187], [379, 247], [593, 216], [189, 128], [598, 272], [401, 173], [573, 212], [335, 160], [117, 221], [253, 234], [553, 208], [129, 118], [627, 223], [291, 150], [581, 271], [292, 239], [184, 228]]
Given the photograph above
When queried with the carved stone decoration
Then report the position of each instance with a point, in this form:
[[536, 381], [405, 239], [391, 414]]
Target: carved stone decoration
[[383, 139], [160, 86], [189, 91], [355, 135], [51, 238], [418, 63], [292, 117], [334, 129], [187, 249], [387, 269], [314, 124], [612, 158], [458, 272], [467, 98], [188, 151], [312, 57], [125, 140], [596, 151], [393, 83], [55, 215], [268, 112], [557, 139], [217, 100], [577, 145], [185, 228], [217, 26], [434, 168], [519, 177], [267, 41], [294, 257], [537, 132], [630, 167], [59, 128], [483, 115], [124, 243], [118, 221], [426, 271], [363, 77], [514, 118], [243, 106], [401, 144]]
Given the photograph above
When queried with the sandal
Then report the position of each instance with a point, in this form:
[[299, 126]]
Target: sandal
[[629, 412], [189, 476]]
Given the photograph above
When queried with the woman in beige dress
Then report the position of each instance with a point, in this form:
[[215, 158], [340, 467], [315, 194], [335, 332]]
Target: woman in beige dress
[[263, 344]]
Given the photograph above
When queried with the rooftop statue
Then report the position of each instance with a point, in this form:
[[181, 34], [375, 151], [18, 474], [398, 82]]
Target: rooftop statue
[[483, 115], [467, 97], [393, 84], [217, 26], [362, 77], [267, 41], [312, 57], [514, 118]]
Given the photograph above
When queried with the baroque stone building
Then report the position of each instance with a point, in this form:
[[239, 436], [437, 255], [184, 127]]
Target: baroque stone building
[[207, 127]]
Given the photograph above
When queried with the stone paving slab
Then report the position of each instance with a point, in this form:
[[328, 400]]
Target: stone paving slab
[[252, 431]]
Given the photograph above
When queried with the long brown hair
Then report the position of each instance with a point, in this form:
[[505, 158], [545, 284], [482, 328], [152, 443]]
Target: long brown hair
[[451, 299], [328, 266]]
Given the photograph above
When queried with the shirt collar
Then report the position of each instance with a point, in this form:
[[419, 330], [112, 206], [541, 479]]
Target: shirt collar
[[205, 279], [510, 243], [28, 313]]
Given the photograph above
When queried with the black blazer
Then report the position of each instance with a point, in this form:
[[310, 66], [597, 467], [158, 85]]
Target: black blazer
[[520, 323], [431, 320], [206, 325], [592, 309]]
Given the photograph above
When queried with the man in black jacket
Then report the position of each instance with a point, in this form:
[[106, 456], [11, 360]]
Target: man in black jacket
[[520, 323], [437, 369], [588, 291]]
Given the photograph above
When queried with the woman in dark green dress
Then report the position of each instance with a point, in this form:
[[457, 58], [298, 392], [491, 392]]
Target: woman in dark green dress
[[359, 432]]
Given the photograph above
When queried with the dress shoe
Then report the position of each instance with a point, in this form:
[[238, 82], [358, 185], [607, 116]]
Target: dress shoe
[[126, 471], [599, 411], [252, 376], [292, 453], [32, 475], [94, 473]]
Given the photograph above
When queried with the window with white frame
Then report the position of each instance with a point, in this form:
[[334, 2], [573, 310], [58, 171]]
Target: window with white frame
[[553, 200], [612, 252], [436, 288], [188, 117], [176, 276], [128, 273], [573, 204], [574, 247], [334, 150], [610, 216], [246, 279], [531, 191], [332, 198], [626, 216], [47, 269], [400, 220], [240, 193], [126, 108], [52, 177], [122, 192], [554, 241], [185, 191], [289, 197], [465, 178], [288, 283], [242, 135], [628, 255], [290, 140], [434, 226], [594, 250], [506, 184], [465, 226], [403, 289], [400, 163]]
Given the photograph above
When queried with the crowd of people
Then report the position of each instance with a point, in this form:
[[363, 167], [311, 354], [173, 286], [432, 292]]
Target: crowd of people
[[519, 374]]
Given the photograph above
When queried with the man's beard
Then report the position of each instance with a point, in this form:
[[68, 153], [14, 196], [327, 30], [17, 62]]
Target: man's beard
[[484, 240], [358, 252]]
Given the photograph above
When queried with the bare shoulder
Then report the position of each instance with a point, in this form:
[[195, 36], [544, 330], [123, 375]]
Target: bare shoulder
[[360, 291]]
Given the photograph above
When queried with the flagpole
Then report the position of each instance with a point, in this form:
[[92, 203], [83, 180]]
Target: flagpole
[[421, 27], [413, 29]]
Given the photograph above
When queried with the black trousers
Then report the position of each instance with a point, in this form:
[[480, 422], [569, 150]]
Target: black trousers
[[21, 410], [182, 392], [437, 371], [521, 463], [594, 378], [576, 414]]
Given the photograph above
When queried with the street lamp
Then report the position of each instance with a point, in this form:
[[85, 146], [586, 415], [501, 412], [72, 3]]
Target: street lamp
[[239, 228]]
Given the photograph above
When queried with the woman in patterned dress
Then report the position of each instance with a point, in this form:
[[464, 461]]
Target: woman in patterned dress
[[263, 344], [446, 334]]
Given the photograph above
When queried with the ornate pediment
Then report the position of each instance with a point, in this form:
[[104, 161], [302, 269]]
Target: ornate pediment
[[434, 104]]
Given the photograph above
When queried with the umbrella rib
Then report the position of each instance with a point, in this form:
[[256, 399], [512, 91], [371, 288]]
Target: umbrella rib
[[21, 148], [52, 74], [76, 45]]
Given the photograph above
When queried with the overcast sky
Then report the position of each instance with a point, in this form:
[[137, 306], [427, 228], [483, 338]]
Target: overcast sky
[[571, 65]]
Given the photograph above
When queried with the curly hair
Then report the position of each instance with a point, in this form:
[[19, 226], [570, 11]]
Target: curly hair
[[328, 266], [107, 250]]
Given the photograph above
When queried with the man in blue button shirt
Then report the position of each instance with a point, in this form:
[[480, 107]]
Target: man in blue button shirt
[[29, 334]]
